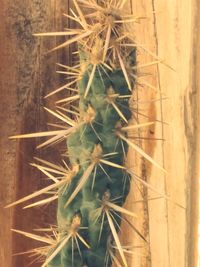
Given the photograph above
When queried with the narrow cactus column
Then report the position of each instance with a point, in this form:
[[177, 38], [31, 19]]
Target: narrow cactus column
[[93, 185], [101, 178], [101, 184]]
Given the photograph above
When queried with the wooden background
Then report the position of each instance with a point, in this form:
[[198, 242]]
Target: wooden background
[[27, 73]]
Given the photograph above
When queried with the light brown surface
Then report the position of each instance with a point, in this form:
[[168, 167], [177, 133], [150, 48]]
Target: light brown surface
[[26, 74], [171, 230]]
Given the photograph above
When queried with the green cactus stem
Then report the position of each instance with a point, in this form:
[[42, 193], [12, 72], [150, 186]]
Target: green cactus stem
[[92, 188], [99, 153]]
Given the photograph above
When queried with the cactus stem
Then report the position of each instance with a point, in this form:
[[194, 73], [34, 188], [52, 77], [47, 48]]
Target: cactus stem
[[145, 83], [81, 183], [124, 96], [152, 63], [41, 202], [107, 42], [130, 252], [71, 233], [140, 151], [65, 86], [69, 99], [63, 173], [69, 111], [131, 225], [71, 74], [101, 228], [56, 139], [61, 116], [95, 132], [76, 19], [94, 177], [130, 20], [116, 238], [82, 18], [90, 80], [91, 4], [147, 185], [97, 186], [39, 134], [37, 193], [74, 69], [58, 249], [136, 126], [72, 40], [119, 111], [109, 163], [119, 209], [82, 240], [67, 176], [57, 126], [44, 170], [47, 240], [65, 33], [52, 165], [143, 47], [124, 70], [108, 176], [110, 154]]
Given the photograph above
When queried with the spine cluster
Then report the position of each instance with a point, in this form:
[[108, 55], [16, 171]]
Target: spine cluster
[[101, 183], [92, 186]]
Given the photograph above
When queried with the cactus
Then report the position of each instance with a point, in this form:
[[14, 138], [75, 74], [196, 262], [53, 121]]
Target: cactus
[[92, 188]]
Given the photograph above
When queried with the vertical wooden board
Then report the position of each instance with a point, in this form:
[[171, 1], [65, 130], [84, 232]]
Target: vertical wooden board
[[192, 117], [175, 48], [144, 109], [168, 33], [148, 110], [8, 150], [27, 74]]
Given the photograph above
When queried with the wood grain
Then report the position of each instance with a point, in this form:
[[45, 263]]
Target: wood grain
[[171, 30], [168, 32], [27, 74]]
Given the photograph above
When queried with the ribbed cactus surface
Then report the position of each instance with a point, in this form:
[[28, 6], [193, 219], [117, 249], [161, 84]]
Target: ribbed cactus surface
[[97, 152], [93, 185]]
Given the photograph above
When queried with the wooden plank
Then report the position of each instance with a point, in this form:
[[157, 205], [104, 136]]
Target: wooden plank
[[147, 111], [175, 47], [168, 32], [192, 104], [27, 74]]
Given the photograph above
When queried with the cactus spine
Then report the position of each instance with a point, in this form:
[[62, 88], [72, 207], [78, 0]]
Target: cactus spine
[[95, 148], [91, 191]]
